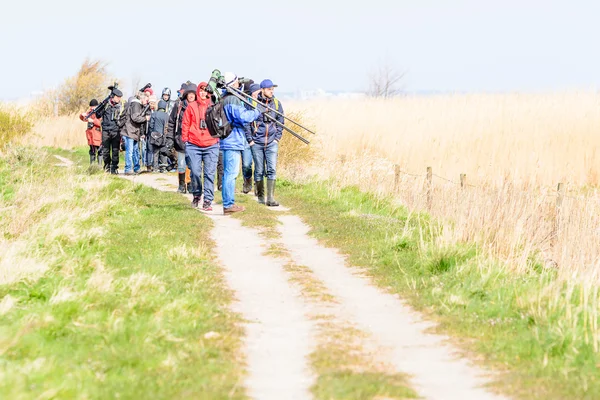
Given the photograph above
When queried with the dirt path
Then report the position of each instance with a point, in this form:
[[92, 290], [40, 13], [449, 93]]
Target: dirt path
[[280, 334]]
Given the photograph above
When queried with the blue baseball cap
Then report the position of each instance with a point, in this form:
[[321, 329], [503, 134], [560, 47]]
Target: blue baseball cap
[[253, 88], [266, 84]]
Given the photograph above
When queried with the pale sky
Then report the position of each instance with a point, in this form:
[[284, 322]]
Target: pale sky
[[444, 45]]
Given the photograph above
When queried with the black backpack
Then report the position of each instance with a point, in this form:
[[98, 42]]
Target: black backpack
[[216, 121]]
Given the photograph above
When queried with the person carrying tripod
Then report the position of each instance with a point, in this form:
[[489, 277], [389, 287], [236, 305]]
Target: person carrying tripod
[[264, 136], [110, 113], [233, 145]]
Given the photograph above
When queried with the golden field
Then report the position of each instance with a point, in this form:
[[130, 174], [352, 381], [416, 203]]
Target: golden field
[[513, 148]]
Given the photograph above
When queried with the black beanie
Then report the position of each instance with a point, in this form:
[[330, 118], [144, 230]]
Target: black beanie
[[93, 103]]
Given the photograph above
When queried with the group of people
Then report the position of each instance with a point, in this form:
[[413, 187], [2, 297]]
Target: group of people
[[165, 134]]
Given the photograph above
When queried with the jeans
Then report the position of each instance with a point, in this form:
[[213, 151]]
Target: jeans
[[132, 155], [196, 157], [231, 167], [181, 162], [111, 141], [247, 162], [265, 155]]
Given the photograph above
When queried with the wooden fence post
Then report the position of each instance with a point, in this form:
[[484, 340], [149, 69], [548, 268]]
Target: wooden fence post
[[463, 181], [397, 173], [429, 188]]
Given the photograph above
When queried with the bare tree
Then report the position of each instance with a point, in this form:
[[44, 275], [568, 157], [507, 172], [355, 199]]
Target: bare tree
[[385, 81]]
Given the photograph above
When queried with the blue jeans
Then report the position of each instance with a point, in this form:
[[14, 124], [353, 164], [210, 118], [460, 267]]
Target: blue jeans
[[181, 163], [132, 155], [247, 162], [265, 155], [231, 166], [209, 156]]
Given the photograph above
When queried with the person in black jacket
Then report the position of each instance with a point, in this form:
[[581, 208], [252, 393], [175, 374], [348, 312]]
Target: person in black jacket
[[174, 131], [111, 138]]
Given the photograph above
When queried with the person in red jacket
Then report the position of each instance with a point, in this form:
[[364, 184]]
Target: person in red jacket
[[93, 132], [200, 148]]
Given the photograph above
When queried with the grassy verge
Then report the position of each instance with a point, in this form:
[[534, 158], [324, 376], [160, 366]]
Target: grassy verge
[[131, 304], [539, 330]]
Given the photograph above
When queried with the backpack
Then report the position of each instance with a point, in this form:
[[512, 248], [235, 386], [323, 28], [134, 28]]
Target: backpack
[[216, 121]]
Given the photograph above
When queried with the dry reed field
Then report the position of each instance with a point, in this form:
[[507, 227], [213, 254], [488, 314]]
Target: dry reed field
[[514, 150]]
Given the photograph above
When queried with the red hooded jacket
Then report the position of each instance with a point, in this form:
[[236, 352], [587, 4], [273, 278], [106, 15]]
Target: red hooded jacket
[[94, 135], [190, 127]]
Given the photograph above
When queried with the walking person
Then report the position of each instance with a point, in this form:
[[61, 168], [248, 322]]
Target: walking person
[[110, 114], [201, 149], [93, 132], [264, 142], [146, 147], [174, 131], [135, 121], [157, 137], [233, 145], [247, 157]]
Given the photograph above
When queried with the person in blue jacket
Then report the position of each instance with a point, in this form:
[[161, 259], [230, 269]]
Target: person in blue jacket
[[264, 136], [233, 145]]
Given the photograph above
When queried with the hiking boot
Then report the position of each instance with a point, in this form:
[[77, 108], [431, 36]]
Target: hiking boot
[[260, 191], [233, 209], [149, 168], [247, 186], [129, 173], [181, 188], [195, 201], [207, 206], [270, 193]]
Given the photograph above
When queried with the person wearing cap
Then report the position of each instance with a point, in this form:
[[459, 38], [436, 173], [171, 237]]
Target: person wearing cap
[[174, 128], [156, 137], [110, 114], [233, 145], [135, 121], [264, 141], [201, 149], [93, 132], [252, 91]]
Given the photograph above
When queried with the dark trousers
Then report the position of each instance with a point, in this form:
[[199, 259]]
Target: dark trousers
[[220, 170], [111, 141]]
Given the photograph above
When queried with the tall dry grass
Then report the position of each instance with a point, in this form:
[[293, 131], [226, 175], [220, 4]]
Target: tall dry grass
[[513, 148]]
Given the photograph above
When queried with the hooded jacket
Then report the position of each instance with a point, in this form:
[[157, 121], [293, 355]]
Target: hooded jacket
[[191, 130], [159, 119], [93, 134], [238, 116], [134, 123], [174, 124]]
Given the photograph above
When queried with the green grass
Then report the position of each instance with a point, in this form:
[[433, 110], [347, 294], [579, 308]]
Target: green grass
[[122, 314], [531, 326]]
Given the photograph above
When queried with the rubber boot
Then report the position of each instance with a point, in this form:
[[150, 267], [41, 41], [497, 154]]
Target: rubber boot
[[92, 158], [181, 188], [270, 193], [247, 186], [260, 191]]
